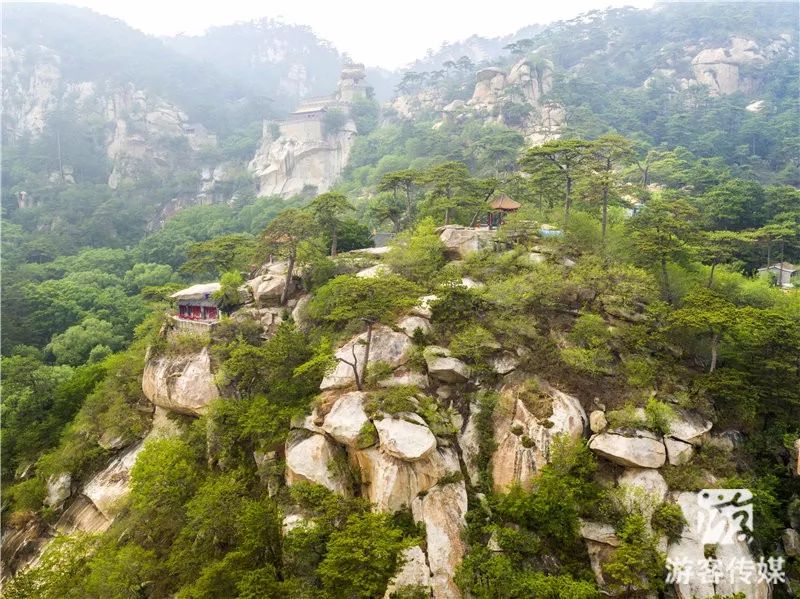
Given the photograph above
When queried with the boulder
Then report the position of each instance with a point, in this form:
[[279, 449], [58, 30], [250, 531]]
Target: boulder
[[524, 433], [267, 289], [640, 448], [678, 452], [387, 346], [597, 421], [443, 367], [442, 510], [403, 439], [59, 488], [504, 363], [423, 308], [460, 241], [689, 427], [648, 480], [471, 283], [373, 271], [413, 573], [183, 384], [402, 379], [601, 541], [346, 418], [599, 532], [309, 457], [107, 488], [299, 313], [409, 324], [391, 483]]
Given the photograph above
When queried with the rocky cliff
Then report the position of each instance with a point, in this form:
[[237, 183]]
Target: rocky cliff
[[307, 152]]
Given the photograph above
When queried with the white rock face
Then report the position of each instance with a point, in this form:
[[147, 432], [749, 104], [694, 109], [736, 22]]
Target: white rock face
[[689, 427], [386, 346], [267, 289], [301, 158], [107, 488], [470, 448], [373, 271], [346, 418], [648, 480], [413, 573], [183, 384], [460, 241], [678, 452], [307, 459], [719, 68], [690, 548], [83, 516], [414, 379], [409, 441], [58, 489], [391, 483], [443, 511], [640, 449], [524, 441], [409, 324]]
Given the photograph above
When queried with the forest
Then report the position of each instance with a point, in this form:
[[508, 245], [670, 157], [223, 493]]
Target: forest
[[653, 297]]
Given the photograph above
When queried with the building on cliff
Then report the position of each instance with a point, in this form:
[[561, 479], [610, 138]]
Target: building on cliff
[[313, 143], [197, 303]]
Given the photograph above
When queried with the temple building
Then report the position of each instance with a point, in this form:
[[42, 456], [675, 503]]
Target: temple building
[[196, 303]]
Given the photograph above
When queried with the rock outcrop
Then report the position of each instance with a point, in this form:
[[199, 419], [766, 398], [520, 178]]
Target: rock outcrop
[[524, 433], [443, 367], [405, 437], [183, 384], [386, 346], [638, 449], [460, 241], [307, 152], [309, 457]]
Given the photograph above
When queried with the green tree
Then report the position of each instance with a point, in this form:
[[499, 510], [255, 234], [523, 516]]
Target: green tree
[[707, 313], [211, 258], [417, 255], [560, 160], [74, 345], [404, 180], [284, 235], [661, 233], [328, 209], [362, 557], [610, 152]]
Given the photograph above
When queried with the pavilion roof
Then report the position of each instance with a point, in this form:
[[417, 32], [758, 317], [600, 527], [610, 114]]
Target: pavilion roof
[[504, 202]]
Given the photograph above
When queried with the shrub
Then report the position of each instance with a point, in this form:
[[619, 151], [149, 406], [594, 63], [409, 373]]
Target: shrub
[[668, 519], [473, 344], [417, 255], [659, 416]]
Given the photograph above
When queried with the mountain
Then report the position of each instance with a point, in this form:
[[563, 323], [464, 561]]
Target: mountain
[[587, 314]]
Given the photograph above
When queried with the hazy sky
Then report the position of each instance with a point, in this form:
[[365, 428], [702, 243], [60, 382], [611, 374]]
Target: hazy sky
[[388, 33]]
